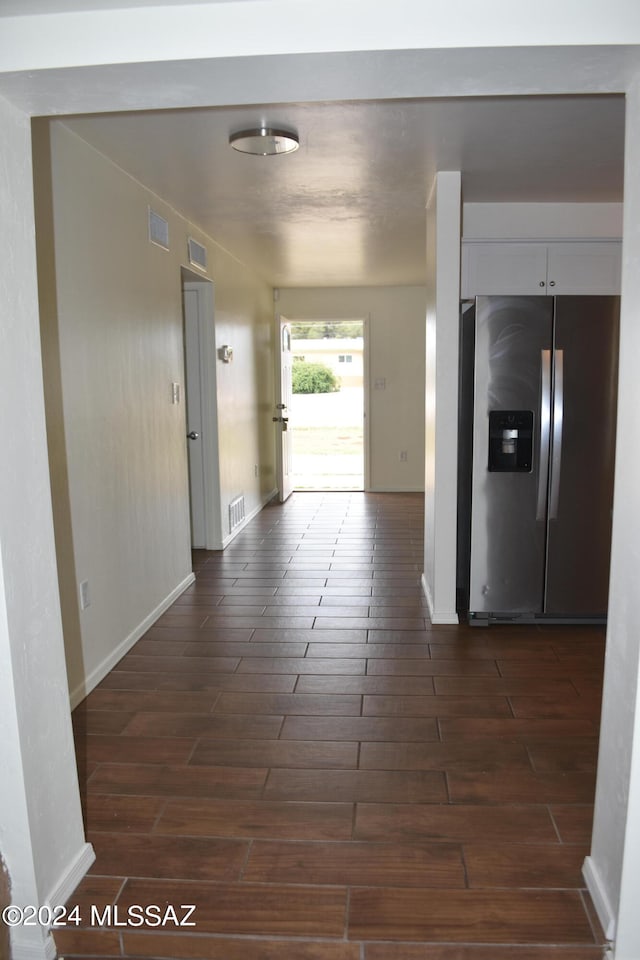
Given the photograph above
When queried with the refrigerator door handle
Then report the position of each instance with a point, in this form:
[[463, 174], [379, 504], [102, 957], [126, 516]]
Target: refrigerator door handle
[[558, 416], [545, 428]]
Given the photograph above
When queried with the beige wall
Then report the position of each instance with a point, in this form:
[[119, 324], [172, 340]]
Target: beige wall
[[244, 321], [112, 333], [396, 336]]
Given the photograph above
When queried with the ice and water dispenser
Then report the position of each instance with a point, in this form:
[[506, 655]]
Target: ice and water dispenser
[[510, 441]]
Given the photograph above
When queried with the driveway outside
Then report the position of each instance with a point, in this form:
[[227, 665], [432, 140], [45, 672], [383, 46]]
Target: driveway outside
[[328, 440]]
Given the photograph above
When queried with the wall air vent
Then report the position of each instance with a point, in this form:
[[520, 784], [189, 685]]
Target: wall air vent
[[158, 230], [236, 512], [197, 254]]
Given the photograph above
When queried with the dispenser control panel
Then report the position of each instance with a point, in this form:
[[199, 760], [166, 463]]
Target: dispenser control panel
[[510, 441]]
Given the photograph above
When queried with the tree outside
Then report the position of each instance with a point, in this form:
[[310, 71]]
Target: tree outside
[[326, 330], [313, 378]]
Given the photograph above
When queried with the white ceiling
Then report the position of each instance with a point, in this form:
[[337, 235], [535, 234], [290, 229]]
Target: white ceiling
[[348, 208], [27, 8], [375, 124]]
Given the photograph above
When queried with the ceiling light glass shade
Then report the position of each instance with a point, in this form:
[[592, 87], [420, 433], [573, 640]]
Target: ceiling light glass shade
[[264, 141]]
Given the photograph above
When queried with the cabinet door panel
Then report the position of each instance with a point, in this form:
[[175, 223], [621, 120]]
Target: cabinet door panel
[[503, 268], [584, 268]]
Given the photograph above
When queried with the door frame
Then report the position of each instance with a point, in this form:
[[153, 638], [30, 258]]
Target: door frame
[[205, 358], [282, 470], [366, 398], [366, 380]]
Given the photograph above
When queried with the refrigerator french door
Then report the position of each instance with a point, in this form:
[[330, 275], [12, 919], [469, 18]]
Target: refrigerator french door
[[541, 450]]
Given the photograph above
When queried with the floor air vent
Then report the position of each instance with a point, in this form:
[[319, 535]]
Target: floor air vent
[[236, 512]]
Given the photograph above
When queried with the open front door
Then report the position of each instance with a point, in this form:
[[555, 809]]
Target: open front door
[[284, 458]]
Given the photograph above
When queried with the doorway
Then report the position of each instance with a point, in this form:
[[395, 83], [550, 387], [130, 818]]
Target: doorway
[[328, 416]]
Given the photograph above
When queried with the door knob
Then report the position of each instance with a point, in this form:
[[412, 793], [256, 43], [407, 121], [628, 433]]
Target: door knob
[[193, 435]]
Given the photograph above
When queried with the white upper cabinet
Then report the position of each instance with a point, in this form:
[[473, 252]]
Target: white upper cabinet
[[502, 268], [591, 268], [586, 267]]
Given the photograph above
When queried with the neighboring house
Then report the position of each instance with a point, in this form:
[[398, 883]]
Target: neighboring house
[[344, 357]]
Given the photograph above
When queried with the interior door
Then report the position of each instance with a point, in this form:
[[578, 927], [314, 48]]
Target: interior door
[[193, 391], [284, 452]]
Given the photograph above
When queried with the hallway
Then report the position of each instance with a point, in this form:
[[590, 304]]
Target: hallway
[[296, 751]]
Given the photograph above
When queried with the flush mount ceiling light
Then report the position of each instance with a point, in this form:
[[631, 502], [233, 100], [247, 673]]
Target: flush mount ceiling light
[[264, 141]]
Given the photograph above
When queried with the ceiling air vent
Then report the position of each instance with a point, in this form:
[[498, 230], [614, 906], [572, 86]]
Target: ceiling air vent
[[158, 229], [197, 254]]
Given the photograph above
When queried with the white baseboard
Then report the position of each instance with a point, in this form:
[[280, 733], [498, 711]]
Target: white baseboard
[[85, 686], [437, 616], [395, 489], [267, 498], [71, 876], [27, 943], [598, 895], [68, 882]]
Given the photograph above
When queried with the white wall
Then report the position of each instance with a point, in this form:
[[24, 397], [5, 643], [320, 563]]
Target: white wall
[[546, 221], [220, 29], [396, 330], [613, 869], [41, 831], [441, 397], [113, 335]]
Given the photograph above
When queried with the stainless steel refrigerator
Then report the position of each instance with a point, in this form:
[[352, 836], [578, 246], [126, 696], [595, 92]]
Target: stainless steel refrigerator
[[538, 385]]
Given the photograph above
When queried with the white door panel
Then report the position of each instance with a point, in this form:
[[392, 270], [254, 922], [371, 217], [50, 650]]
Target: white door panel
[[194, 419], [284, 457]]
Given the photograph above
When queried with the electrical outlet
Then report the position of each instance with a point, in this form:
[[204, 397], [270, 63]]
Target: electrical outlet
[[256, 470], [85, 599], [403, 456]]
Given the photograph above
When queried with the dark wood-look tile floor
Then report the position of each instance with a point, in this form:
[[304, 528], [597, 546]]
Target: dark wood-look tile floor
[[297, 751]]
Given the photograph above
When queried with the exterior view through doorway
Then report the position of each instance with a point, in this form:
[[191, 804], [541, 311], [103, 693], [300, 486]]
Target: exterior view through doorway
[[327, 428]]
